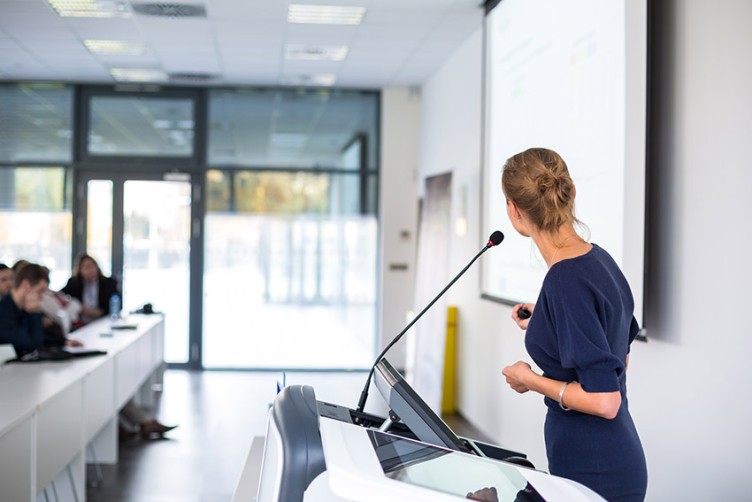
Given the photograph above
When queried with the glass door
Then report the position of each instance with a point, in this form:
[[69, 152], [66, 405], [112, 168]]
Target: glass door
[[138, 228], [156, 256]]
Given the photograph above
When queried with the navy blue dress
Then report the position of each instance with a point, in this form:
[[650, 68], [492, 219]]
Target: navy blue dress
[[580, 331]]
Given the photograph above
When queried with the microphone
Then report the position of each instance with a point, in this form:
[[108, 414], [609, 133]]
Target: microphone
[[494, 240]]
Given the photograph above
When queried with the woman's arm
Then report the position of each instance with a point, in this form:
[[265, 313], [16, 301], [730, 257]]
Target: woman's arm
[[603, 404]]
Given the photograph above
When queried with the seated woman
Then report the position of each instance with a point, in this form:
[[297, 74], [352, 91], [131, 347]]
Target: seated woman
[[94, 290]]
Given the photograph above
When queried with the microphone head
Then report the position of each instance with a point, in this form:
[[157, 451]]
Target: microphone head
[[495, 238]]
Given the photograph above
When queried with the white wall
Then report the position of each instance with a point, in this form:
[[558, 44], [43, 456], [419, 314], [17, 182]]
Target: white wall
[[689, 386], [488, 339], [398, 208]]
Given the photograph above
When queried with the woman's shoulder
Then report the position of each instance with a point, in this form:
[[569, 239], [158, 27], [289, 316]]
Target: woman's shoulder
[[596, 256], [592, 271], [579, 271], [573, 264]]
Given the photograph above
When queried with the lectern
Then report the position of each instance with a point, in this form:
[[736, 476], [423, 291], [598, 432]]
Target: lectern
[[409, 455]]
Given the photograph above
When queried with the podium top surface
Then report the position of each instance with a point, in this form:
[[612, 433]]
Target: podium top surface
[[368, 465]]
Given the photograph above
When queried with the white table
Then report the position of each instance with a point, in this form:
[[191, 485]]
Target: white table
[[54, 416]]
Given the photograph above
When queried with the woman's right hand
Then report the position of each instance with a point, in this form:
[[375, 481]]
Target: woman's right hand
[[522, 323]]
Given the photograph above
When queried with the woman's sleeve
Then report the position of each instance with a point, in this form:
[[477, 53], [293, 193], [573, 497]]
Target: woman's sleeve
[[581, 336], [634, 329]]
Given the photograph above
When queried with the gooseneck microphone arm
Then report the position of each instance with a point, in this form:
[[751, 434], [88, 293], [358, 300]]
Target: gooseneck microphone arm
[[494, 240]]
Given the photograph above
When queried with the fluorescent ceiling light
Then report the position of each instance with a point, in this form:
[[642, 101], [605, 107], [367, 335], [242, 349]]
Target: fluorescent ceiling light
[[325, 14], [138, 74], [320, 80], [316, 53], [116, 48], [90, 8]]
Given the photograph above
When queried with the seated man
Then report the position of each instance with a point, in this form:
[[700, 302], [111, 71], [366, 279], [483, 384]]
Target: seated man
[[55, 313], [20, 310]]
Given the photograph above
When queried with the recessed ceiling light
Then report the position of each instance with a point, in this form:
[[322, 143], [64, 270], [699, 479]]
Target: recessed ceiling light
[[320, 80], [138, 74], [90, 8], [116, 47], [316, 53], [170, 9], [325, 14]]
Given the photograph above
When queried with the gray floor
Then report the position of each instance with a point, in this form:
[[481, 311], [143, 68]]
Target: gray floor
[[218, 414]]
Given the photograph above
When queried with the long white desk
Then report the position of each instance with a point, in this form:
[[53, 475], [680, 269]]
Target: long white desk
[[54, 416]]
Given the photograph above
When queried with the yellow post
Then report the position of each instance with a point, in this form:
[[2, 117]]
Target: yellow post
[[449, 394]]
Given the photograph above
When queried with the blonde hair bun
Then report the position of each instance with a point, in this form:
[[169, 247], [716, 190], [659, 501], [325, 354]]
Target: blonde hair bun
[[538, 182]]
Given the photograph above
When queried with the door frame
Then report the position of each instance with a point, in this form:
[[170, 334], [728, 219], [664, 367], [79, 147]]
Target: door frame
[[196, 256]]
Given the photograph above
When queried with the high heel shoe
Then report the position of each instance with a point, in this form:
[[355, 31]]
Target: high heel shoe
[[154, 428]]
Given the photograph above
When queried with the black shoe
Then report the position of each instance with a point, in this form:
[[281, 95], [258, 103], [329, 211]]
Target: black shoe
[[154, 428]]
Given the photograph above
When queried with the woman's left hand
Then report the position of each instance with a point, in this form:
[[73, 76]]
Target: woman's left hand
[[516, 374]]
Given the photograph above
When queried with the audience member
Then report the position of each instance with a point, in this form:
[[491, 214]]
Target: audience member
[[55, 319], [92, 288], [20, 310], [6, 279]]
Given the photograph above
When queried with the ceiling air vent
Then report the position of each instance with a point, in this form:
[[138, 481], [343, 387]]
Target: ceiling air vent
[[195, 78], [173, 10]]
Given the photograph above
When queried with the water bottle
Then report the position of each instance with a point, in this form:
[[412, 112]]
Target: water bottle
[[114, 307]]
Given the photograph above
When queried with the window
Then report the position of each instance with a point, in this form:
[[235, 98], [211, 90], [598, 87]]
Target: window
[[36, 123], [299, 129], [291, 236], [35, 219], [285, 278], [140, 126]]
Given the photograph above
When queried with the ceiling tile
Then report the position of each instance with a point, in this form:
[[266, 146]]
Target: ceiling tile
[[105, 29], [399, 40]]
